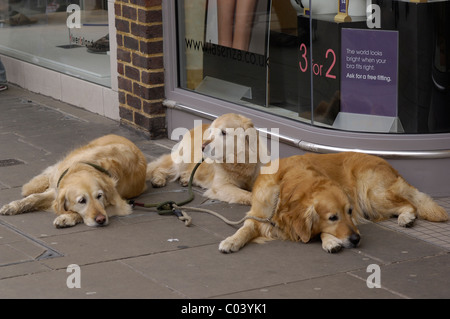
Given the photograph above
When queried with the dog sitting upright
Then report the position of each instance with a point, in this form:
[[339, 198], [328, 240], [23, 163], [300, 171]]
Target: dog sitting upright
[[231, 148], [88, 185]]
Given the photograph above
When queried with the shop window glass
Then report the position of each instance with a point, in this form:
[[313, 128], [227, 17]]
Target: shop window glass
[[223, 48], [68, 36], [361, 65]]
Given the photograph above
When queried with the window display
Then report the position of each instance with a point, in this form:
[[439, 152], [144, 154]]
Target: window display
[[226, 53], [328, 65], [70, 37]]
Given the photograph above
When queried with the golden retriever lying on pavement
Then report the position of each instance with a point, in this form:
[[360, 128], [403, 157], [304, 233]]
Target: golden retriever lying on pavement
[[299, 204], [88, 185], [326, 194], [228, 172]]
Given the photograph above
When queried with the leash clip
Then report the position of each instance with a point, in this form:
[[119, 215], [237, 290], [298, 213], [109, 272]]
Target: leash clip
[[182, 215], [177, 212]]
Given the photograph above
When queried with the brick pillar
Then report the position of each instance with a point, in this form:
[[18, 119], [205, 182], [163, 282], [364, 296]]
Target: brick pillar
[[140, 65]]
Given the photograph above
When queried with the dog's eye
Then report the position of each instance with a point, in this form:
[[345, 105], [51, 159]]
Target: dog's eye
[[100, 195], [350, 211], [333, 218], [82, 200]]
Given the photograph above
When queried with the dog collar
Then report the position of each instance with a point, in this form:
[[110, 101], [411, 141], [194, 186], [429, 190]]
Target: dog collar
[[97, 167]]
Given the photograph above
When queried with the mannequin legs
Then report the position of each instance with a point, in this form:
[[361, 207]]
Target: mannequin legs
[[235, 18]]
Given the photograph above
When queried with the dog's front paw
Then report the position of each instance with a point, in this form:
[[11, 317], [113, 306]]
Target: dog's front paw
[[8, 209], [184, 182], [331, 244], [65, 220], [14, 208], [125, 210], [229, 245], [246, 200], [158, 181], [406, 219], [241, 197]]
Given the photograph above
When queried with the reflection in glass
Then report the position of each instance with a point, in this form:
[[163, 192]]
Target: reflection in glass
[[37, 32]]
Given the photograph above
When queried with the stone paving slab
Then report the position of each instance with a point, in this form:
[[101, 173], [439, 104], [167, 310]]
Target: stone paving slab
[[338, 286]]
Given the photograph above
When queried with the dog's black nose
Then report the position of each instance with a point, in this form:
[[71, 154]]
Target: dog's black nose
[[354, 239]]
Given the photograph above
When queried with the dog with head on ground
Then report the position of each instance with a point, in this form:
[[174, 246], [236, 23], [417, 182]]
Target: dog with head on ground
[[89, 185], [297, 203], [230, 146], [329, 194]]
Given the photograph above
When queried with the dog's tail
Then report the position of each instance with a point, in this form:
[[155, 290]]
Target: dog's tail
[[161, 170], [427, 208]]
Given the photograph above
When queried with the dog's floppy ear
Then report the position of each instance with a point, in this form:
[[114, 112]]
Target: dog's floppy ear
[[246, 122], [304, 225], [108, 185], [114, 204], [206, 134], [59, 204]]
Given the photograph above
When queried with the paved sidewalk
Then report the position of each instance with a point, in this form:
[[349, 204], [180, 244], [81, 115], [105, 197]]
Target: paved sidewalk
[[145, 255]]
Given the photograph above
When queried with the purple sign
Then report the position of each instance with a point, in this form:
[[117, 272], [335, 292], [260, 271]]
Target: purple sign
[[369, 73], [342, 6]]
